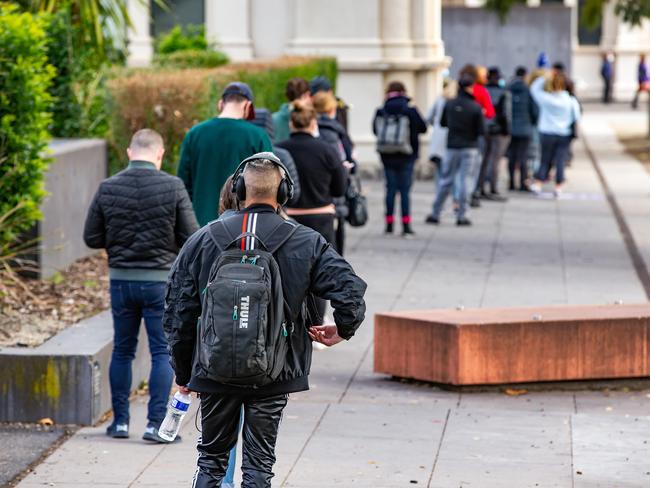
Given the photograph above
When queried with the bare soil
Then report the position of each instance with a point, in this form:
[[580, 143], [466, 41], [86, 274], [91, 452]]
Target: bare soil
[[32, 310]]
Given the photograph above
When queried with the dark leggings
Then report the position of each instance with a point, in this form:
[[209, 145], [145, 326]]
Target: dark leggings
[[555, 151], [518, 158]]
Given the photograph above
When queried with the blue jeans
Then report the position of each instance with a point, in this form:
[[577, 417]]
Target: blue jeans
[[132, 301], [555, 151], [398, 180], [457, 174]]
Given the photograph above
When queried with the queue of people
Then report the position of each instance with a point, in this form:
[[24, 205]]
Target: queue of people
[[479, 120], [256, 210]]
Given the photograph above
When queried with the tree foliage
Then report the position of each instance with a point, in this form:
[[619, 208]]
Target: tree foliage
[[631, 11], [25, 77]]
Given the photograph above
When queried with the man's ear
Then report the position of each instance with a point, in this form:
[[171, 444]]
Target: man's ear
[[128, 153], [159, 156], [248, 107], [220, 106]]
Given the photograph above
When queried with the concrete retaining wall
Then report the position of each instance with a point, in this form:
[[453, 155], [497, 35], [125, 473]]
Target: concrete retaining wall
[[66, 378], [473, 35], [78, 166]]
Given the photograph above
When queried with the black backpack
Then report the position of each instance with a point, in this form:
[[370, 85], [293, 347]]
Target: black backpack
[[245, 325]]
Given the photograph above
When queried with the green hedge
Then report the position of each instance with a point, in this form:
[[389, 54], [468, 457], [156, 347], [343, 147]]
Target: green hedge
[[172, 101], [191, 58], [25, 77]]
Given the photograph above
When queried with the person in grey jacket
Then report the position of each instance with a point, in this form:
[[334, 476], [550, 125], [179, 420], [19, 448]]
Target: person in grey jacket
[[525, 113], [142, 217]]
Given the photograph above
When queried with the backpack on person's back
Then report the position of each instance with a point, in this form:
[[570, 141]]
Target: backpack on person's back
[[244, 327], [393, 133]]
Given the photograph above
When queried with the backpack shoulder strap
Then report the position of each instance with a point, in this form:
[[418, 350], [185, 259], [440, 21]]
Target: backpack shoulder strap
[[280, 235], [220, 235]]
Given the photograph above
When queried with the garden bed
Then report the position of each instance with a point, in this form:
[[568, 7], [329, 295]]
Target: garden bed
[[32, 311]]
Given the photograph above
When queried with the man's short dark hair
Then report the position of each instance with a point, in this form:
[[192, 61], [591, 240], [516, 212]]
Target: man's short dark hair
[[558, 66], [234, 98], [468, 69], [521, 71], [296, 88]]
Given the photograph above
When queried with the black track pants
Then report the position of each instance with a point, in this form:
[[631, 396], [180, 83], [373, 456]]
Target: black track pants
[[219, 429]]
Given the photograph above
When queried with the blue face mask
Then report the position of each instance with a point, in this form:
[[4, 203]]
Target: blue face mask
[[502, 83]]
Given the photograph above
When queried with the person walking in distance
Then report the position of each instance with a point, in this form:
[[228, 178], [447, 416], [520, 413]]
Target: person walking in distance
[[607, 74], [559, 112], [464, 119], [643, 78], [525, 113], [142, 217], [211, 149], [296, 89], [398, 125], [205, 288]]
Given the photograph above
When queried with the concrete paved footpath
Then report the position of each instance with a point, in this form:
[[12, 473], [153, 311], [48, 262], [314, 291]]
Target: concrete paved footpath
[[356, 428]]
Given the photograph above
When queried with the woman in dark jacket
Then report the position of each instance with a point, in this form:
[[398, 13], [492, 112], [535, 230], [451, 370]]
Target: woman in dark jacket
[[524, 118], [398, 165], [332, 132]]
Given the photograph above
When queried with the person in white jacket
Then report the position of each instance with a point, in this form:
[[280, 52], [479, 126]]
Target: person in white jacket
[[558, 112]]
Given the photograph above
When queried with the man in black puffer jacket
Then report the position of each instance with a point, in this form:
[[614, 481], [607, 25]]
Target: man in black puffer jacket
[[142, 217]]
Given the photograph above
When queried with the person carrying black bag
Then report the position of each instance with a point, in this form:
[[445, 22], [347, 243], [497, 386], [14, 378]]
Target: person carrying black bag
[[397, 126], [212, 334]]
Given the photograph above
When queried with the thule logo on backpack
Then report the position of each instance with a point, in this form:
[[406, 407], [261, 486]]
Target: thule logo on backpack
[[244, 305]]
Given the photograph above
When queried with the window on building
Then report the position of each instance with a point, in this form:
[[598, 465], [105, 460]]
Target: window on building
[[179, 12], [587, 36]]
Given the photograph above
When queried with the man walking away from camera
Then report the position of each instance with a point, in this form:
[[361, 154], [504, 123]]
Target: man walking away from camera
[[211, 149], [212, 319], [142, 217]]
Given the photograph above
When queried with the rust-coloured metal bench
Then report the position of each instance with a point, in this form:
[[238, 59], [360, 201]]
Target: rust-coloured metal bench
[[515, 345]]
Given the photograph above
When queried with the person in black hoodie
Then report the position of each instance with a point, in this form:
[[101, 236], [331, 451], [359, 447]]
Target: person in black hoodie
[[332, 132], [399, 158], [463, 117], [525, 113]]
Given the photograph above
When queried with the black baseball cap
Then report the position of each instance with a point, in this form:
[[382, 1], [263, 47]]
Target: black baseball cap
[[241, 89], [319, 83]]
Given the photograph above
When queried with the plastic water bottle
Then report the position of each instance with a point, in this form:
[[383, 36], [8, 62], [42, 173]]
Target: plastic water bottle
[[178, 407]]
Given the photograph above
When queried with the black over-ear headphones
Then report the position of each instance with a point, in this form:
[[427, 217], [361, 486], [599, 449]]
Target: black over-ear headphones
[[285, 190]]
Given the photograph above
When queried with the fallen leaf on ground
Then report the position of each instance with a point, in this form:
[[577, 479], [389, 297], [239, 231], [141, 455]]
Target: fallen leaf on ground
[[515, 391]]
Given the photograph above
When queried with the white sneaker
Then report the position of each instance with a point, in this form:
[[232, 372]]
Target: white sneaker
[[536, 188], [557, 192]]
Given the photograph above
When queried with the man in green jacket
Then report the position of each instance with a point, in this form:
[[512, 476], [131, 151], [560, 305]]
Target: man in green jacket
[[296, 89], [213, 149]]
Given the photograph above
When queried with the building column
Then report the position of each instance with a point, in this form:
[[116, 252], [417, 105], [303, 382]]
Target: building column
[[396, 29], [140, 45], [228, 24]]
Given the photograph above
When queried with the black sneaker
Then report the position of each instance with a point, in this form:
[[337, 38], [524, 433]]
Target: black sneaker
[[389, 229], [118, 431], [495, 196], [464, 222], [407, 231], [432, 220], [151, 435], [475, 202]]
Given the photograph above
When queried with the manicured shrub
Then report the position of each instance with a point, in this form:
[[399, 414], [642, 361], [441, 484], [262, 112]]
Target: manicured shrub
[[191, 38], [172, 101], [25, 77], [191, 59]]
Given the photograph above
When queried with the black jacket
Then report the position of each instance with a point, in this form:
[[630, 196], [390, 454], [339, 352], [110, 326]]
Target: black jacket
[[322, 175], [332, 132], [308, 264], [464, 119], [501, 99], [141, 216], [417, 126], [525, 111]]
